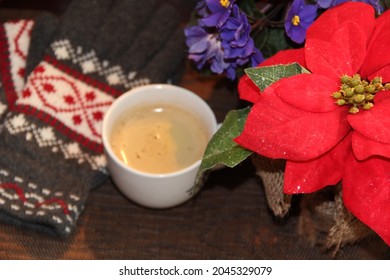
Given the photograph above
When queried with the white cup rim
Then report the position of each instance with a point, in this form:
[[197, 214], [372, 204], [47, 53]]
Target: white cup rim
[[105, 136]]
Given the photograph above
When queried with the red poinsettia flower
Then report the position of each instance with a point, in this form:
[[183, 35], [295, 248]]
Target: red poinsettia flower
[[327, 124]]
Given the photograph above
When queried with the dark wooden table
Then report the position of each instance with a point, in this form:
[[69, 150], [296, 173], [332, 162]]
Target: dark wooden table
[[228, 219]]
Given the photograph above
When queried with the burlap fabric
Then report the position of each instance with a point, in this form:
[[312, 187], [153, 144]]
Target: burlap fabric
[[323, 218]]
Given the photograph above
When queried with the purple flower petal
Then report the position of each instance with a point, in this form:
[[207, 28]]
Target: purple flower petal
[[324, 4], [299, 17]]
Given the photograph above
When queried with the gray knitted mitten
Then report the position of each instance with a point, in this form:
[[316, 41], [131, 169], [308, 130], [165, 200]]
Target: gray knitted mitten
[[51, 151]]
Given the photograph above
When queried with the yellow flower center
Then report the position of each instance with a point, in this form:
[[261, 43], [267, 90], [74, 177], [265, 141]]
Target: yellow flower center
[[295, 20], [224, 3], [358, 93]]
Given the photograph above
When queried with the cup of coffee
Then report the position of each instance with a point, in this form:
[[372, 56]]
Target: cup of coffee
[[154, 137]]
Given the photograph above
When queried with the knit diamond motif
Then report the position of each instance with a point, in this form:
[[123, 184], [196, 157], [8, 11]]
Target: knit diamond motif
[[46, 137], [79, 106], [89, 63]]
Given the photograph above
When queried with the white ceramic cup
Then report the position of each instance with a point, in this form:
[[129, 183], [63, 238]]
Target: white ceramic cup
[[148, 189]]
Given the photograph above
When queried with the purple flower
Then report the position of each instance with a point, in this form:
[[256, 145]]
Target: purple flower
[[219, 12], [324, 4], [237, 44], [218, 64], [236, 29], [205, 48], [299, 17], [201, 8], [202, 46], [222, 38]]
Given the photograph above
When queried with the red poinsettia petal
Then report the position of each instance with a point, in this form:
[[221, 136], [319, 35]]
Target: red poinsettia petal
[[274, 106], [374, 123], [248, 91], [286, 57], [313, 175], [309, 92], [384, 73], [378, 55], [382, 95], [343, 54], [366, 193], [364, 147], [276, 129], [326, 24]]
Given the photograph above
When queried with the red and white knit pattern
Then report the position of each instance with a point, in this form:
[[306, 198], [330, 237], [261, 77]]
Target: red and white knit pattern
[[17, 36], [67, 100], [34, 200]]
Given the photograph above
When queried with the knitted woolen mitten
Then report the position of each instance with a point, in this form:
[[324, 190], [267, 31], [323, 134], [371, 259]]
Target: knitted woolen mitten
[[51, 156]]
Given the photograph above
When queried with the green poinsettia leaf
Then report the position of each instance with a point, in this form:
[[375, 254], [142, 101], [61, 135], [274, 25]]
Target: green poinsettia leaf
[[267, 75], [221, 148]]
